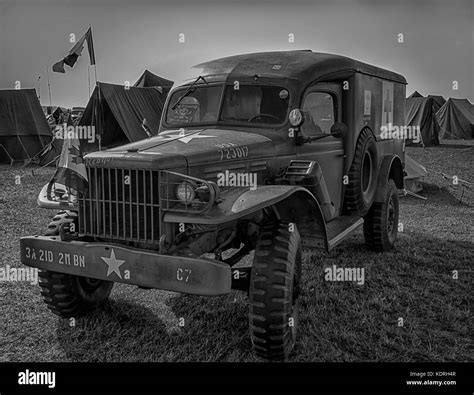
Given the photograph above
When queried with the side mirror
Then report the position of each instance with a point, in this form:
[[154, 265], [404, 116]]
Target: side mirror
[[339, 130]]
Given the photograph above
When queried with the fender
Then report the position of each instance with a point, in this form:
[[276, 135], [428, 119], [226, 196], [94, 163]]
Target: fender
[[390, 168], [292, 203]]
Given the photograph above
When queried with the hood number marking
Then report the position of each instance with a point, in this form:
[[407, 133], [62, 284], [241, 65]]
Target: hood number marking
[[233, 153]]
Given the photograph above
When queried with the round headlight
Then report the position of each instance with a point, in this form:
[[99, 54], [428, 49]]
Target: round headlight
[[296, 117], [185, 192]]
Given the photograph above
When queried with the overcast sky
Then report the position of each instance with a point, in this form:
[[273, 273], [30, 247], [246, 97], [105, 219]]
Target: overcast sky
[[132, 36]]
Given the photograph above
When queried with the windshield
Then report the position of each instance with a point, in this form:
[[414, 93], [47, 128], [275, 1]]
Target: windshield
[[200, 105], [256, 104]]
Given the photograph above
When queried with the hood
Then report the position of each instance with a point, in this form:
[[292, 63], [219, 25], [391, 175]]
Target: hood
[[173, 149]]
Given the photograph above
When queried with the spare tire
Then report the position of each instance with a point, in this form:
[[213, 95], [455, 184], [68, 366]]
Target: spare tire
[[363, 174]]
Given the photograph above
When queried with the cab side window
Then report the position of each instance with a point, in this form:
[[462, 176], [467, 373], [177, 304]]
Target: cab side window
[[320, 113]]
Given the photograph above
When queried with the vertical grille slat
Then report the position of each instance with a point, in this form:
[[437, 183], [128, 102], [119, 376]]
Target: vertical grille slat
[[113, 210], [151, 206], [116, 203], [137, 219], [103, 195], [130, 203], [124, 218], [91, 208], [97, 204], [109, 202], [145, 219]]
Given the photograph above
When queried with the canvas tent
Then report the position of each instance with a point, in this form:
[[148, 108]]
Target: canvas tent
[[24, 131], [56, 111], [438, 101], [415, 94], [117, 114], [148, 80], [420, 112], [415, 175], [456, 119]]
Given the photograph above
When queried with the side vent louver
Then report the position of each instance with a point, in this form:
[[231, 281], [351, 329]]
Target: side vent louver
[[299, 168]]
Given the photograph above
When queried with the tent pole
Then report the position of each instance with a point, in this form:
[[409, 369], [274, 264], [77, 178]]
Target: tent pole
[[49, 87], [98, 120]]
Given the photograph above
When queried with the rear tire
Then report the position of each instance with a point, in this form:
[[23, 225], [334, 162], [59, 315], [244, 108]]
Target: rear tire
[[67, 295], [363, 174], [381, 222], [274, 291]]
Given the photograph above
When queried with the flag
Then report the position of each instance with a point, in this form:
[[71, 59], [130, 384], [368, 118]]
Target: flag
[[75, 52], [59, 67], [71, 170]]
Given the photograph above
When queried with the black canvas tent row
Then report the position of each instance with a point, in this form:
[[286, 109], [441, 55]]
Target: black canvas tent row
[[421, 111], [24, 131], [149, 80], [456, 119], [117, 114]]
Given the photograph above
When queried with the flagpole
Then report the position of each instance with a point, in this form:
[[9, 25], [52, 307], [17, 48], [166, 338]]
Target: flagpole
[[49, 87], [95, 72], [89, 80], [39, 88], [98, 120], [95, 62]]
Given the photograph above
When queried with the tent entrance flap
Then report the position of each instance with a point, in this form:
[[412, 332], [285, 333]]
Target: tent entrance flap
[[420, 112]]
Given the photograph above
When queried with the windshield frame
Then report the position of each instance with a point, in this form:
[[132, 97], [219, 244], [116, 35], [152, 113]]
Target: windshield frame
[[219, 121]]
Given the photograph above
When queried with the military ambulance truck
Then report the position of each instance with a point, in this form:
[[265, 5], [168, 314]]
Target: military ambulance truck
[[259, 157]]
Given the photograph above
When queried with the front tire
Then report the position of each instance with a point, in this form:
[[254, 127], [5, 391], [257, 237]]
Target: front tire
[[381, 222], [67, 295], [274, 290]]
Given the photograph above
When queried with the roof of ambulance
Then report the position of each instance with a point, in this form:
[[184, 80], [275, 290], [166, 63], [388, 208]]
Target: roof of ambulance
[[302, 65]]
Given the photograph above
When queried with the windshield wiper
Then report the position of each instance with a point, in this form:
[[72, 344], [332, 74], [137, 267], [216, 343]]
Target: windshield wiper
[[188, 92]]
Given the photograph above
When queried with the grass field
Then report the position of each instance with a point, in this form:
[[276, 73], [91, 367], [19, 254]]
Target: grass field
[[339, 321]]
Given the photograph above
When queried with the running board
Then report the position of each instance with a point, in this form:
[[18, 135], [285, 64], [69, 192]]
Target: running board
[[340, 228]]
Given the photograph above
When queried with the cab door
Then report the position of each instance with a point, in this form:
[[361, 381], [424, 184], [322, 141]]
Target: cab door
[[322, 106]]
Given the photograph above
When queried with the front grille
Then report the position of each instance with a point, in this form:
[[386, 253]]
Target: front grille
[[121, 204]]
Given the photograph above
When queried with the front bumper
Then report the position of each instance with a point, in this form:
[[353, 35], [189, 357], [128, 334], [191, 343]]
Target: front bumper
[[112, 262]]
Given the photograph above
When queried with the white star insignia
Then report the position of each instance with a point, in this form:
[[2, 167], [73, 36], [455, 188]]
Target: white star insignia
[[113, 264], [183, 137]]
